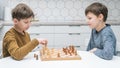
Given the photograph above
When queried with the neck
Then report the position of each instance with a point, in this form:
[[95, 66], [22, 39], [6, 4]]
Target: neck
[[18, 30], [101, 26]]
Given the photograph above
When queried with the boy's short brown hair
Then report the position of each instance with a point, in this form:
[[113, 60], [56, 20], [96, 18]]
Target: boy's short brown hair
[[22, 11], [97, 9]]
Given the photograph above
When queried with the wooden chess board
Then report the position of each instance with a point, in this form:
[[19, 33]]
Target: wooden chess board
[[68, 53]]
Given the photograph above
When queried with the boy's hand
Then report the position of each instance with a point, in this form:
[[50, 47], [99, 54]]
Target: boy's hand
[[43, 41], [94, 49]]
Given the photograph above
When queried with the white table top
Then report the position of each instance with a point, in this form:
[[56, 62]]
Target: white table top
[[89, 60]]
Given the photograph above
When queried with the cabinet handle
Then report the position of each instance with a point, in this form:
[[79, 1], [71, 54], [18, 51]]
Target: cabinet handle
[[74, 25], [34, 34], [77, 46], [74, 33]]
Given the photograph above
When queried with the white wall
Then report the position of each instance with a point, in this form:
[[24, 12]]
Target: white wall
[[63, 10]]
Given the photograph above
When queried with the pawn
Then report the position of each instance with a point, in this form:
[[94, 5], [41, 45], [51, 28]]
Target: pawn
[[75, 52], [58, 55]]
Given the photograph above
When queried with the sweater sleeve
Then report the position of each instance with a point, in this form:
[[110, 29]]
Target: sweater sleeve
[[108, 50], [19, 53]]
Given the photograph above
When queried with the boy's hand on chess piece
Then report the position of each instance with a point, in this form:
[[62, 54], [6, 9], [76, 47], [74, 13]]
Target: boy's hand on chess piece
[[42, 41]]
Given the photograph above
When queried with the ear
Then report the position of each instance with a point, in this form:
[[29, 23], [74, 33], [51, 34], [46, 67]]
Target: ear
[[15, 21], [100, 17]]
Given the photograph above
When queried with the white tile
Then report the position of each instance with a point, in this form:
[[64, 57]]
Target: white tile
[[111, 5], [118, 4], [64, 12], [47, 12], [73, 12], [65, 9], [68, 18], [56, 12], [60, 4], [69, 4], [51, 18], [42, 4], [78, 4], [85, 4], [51, 4], [115, 13]]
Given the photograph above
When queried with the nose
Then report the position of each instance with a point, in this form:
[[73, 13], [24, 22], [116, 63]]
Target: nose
[[29, 24]]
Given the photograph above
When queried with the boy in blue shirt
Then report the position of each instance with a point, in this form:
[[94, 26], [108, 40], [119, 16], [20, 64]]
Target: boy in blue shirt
[[103, 41]]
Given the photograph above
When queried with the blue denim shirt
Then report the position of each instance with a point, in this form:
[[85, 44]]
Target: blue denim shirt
[[104, 41]]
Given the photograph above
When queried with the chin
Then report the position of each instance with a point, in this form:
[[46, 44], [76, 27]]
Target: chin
[[91, 27], [26, 29]]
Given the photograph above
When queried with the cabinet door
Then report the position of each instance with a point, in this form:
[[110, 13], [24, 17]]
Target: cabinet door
[[61, 40], [61, 29], [72, 29], [67, 29], [84, 40], [41, 29], [72, 35], [75, 29], [79, 40], [46, 32], [3, 30], [116, 30], [49, 37]]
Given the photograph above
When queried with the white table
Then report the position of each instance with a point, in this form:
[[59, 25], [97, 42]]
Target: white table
[[89, 60]]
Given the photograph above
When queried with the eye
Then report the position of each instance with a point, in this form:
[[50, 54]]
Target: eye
[[31, 21], [89, 18], [25, 22]]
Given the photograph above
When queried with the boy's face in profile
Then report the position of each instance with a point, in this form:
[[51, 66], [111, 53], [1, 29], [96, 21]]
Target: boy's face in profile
[[92, 20], [22, 24]]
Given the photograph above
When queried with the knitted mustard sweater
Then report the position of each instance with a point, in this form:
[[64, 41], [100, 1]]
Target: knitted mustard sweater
[[17, 45]]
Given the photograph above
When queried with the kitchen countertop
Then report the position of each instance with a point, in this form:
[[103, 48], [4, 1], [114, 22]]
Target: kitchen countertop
[[88, 60], [59, 23]]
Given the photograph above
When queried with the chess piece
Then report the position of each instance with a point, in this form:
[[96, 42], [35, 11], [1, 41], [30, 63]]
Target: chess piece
[[65, 50], [72, 47], [75, 52], [58, 55], [36, 56], [69, 51]]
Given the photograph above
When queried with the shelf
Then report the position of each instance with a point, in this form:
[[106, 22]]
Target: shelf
[[61, 23]]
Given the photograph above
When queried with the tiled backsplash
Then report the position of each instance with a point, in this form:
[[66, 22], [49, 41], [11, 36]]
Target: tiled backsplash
[[62, 10]]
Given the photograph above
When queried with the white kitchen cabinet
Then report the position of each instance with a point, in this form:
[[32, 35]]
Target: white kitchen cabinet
[[62, 36], [49, 37], [3, 30], [72, 29], [72, 35], [41, 29], [46, 32], [79, 41], [84, 40], [61, 40], [116, 30]]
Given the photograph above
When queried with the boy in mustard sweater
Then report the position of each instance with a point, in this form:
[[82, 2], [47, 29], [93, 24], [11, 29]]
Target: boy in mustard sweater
[[17, 42]]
